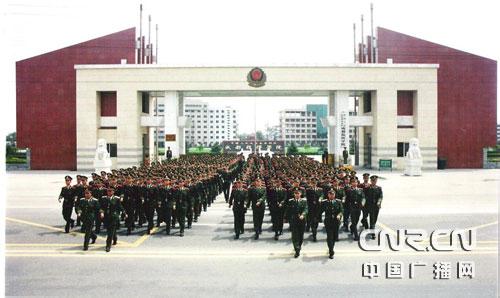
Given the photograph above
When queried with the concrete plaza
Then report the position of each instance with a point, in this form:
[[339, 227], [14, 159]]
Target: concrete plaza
[[42, 260]]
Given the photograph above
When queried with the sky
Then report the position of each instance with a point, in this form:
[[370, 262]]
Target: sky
[[234, 33]]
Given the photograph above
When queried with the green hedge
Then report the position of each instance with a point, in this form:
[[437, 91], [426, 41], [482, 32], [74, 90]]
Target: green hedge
[[15, 160]]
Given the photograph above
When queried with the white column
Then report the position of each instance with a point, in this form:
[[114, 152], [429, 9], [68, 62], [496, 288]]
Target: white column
[[330, 128], [181, 126], [174, 109], [341, 109]]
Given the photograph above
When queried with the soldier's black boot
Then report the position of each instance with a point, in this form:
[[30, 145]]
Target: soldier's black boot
[[331, 254], [167, 231], [364, 223], [237, 236], [256, 236], [72, 223], [85, 247], [297, 253], [94, 237], [276, 237], [314, 237], [115, 240], [66, 228], [129, 230], [108, 248]]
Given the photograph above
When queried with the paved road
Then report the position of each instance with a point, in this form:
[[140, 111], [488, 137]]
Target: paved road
[[41, 260]]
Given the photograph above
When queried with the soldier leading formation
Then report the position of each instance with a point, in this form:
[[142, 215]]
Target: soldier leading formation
[[296, 190]]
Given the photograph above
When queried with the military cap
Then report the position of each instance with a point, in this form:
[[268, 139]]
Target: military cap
[[83, 177], [373, 177], [366, 175], [68, 177], [332, 191], [110, 189]]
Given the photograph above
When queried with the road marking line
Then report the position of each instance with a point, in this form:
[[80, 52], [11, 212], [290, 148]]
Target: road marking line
[[113, 254], [383, 226], [34, 224], [143, 238], [59, 245]]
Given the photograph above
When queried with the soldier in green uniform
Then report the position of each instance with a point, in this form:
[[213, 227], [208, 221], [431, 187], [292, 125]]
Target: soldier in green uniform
[[181, 205], [113, 211], [296, 212], [280, 194], [333, 214], [166, 203], [150, 195], [98, 192], [67, 196], [257, 197], [364, 186], [87, 209], [313, 194], [374, 198], [237, 200], [355, 202]]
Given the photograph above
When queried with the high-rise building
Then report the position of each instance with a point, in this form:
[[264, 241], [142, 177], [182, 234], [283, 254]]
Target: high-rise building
[[321, 111], [299, 126], [210, 125]]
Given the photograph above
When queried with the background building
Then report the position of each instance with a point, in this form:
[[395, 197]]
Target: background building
[[210, 125], [299, 126], [321, 111], [466, 114], [46, 97], [467, 95]]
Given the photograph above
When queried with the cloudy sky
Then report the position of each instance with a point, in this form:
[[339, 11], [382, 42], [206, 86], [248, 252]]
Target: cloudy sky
[[258, 32]]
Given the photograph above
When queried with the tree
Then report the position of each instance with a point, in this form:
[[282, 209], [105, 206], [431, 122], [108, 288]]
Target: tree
[[259, 136], [292, 149], [216, 149]]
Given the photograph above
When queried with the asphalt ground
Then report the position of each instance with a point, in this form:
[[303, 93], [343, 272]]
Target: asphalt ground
[[42, 260]]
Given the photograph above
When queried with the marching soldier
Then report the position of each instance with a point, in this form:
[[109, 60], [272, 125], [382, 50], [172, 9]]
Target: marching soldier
[[166, 203], [150, 195], [355, 202], [332, 208], [313, 194], [87, 209], [98, 192], [67, 196], [297, 216], [80, 187], [129, 203], [280, 198], [257, 197], [237, 200], [113, 211], [373, 201], [181, 205], [364, 186]]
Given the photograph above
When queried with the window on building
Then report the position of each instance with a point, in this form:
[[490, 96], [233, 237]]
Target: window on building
[[145, 102], [367, 102], [405, 103], [112, 149], [403, 148], [161, 144]]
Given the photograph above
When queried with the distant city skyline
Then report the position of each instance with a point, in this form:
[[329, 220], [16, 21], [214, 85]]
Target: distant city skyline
[[267, 108]]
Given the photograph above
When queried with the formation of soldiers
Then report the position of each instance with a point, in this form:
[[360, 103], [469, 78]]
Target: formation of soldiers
[[296, 190], [175, 192], [299, 190]]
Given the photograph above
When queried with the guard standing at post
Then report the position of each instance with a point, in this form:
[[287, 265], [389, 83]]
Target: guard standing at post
[[332, 208], [67, 196], [87, 210], [237, 200], [296, 213]]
